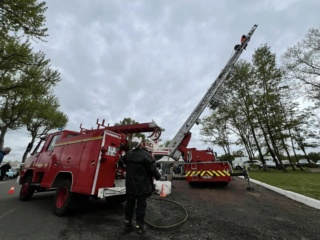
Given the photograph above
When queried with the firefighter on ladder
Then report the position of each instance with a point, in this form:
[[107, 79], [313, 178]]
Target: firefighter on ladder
[[243, 38], [237, 47]]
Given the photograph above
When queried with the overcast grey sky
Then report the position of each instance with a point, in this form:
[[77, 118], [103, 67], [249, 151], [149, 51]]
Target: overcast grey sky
[[154, 59]]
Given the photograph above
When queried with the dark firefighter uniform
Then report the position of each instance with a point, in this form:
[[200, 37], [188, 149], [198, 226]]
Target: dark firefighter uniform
[[141, 169], [3, 169]]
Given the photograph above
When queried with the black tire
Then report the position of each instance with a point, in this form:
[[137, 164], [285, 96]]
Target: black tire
[[62, 198], [26, 191], [115, 200]]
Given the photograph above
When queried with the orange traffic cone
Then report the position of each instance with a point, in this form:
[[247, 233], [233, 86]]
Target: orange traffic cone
[[11, 191], [162, 193]]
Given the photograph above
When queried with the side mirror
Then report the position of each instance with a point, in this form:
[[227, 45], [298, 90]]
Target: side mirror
[[29, 147]]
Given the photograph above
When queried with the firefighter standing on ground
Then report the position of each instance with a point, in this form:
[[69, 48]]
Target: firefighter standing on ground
[[4, 152], [141, 169], [4, 168]]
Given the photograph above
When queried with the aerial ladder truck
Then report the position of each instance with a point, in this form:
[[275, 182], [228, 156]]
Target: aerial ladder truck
[[201, 165]]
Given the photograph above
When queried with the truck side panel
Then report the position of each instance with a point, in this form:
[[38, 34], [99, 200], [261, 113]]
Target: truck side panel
[[107, 165], [67, 156], [87, 164]]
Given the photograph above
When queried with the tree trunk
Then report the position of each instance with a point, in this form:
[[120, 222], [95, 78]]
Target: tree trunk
[[2, 134]]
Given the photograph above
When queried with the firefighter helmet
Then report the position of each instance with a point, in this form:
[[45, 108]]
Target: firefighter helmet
[[135, 142]]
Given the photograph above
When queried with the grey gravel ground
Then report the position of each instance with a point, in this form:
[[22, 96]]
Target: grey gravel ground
[[229, 212], [222, 213]]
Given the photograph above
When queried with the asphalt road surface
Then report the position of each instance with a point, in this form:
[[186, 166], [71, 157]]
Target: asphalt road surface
[[214, 212]]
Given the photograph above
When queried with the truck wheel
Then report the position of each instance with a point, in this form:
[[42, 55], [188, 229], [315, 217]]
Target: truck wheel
[[62, 198], [114, 200], [27, 189]]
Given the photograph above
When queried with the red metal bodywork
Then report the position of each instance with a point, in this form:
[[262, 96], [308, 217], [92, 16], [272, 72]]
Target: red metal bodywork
[[88, 158], [79, 156], [201, 166]]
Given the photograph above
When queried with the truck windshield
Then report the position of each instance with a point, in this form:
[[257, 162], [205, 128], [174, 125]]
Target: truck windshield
[[39, 146], [53, 142]]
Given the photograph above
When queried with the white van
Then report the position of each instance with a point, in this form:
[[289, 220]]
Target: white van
[[269, 162]]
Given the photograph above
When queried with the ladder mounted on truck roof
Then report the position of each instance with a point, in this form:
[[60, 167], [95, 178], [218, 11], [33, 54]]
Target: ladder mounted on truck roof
[[212, 95]]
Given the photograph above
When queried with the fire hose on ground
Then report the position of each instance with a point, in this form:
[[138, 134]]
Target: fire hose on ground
[[171, 225], [243, 173]]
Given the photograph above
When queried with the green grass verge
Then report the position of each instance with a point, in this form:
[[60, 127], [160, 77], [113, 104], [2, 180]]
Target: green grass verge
[[298, 181]]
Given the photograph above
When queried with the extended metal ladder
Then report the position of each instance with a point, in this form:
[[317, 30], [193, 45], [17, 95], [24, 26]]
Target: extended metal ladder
[[212, 95]]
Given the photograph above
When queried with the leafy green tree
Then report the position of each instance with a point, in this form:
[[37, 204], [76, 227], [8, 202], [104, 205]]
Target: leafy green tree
[[29, 78], [268, 77], [13, 58], [302, 63], [26, 77], [26, 17], [238, 153], [256, 108], [314, 156], [43, 118], [241, 95], [215, 130], [302, 134]]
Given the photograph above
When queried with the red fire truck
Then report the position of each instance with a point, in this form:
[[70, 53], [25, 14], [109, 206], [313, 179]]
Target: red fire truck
[[81, 164], [201, 165], [78, 165]]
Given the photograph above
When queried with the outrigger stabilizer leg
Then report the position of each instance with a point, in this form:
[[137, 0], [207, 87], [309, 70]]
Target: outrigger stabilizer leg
[[245, 174]]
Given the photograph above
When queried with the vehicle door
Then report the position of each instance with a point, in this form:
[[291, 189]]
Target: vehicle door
[[50, 160]]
